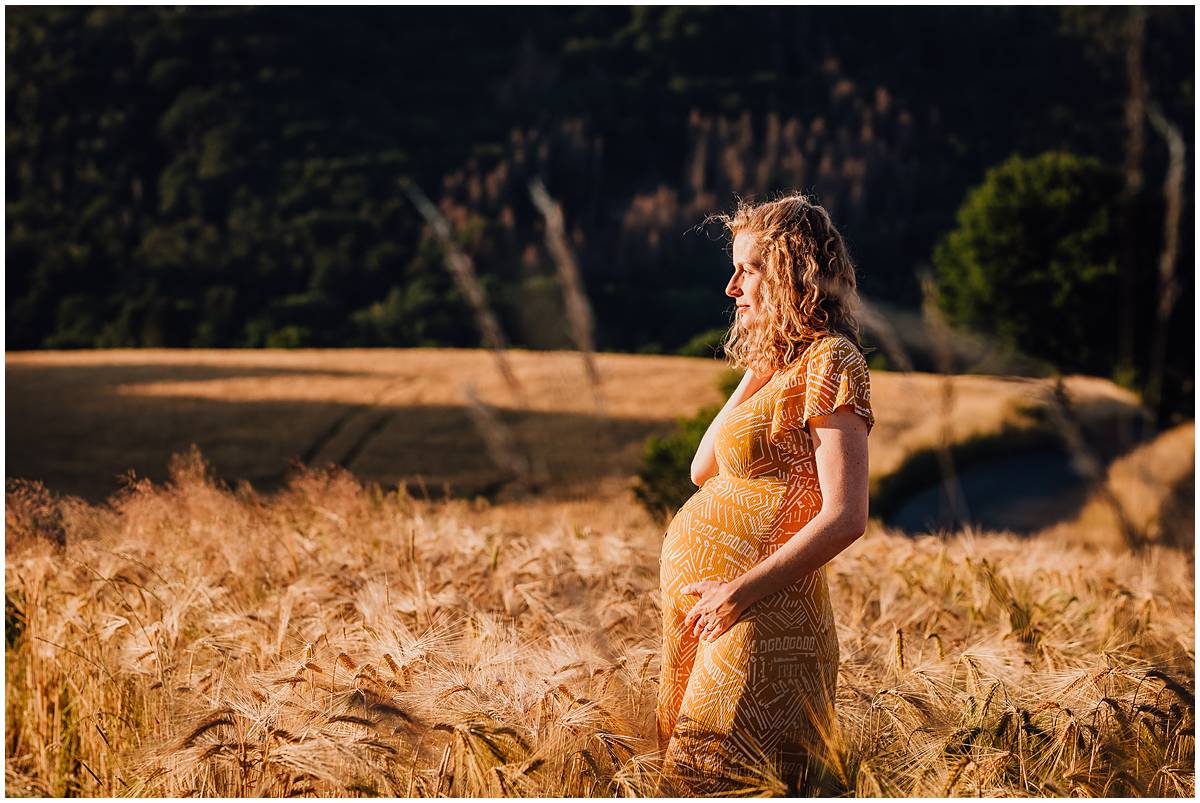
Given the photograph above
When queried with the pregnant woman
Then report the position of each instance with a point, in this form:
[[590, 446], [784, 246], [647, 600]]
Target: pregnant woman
[[750, 652]]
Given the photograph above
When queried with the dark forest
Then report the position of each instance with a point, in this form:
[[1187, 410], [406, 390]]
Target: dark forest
[[229, 177]]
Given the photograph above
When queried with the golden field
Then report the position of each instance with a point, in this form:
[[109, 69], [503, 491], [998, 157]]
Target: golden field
[[336, 638], [82, 419]]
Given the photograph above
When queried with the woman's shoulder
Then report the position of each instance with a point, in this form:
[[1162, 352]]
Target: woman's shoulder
[[833, 348], [834, 343]]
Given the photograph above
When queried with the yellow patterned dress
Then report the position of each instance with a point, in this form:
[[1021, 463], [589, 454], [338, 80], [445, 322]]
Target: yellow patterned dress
[[755, 693]]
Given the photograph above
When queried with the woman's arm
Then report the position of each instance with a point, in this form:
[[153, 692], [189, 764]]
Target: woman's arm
[[840, 443], [704, 464]]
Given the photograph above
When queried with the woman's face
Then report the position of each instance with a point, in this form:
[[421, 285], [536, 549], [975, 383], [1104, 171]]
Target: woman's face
[[747, 273]]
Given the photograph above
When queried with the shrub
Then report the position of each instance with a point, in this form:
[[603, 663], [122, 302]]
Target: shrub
[[705, 344], [665, 479]]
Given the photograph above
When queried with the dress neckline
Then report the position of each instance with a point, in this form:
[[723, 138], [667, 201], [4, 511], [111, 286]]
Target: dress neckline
[[750, 398], [798, 363]]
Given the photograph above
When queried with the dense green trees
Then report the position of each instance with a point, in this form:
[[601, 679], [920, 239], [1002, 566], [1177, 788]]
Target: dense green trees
[[1033, 259], [229, 176]]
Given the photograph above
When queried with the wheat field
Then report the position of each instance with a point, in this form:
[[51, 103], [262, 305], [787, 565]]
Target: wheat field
[[342, 638]]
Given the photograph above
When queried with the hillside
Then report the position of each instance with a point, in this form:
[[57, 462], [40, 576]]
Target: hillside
[[1151, 490], [77, 420]]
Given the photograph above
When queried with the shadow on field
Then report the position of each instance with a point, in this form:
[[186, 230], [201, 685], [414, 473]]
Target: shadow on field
[[70, 429], [1021, 478], [92, 376]]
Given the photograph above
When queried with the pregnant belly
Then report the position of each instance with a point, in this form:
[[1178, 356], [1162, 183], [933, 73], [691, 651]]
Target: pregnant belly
[[721, 532]]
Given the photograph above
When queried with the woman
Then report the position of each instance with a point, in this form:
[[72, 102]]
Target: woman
[[750, 652]]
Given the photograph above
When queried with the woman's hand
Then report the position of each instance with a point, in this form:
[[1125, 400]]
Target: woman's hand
[[718, 608]]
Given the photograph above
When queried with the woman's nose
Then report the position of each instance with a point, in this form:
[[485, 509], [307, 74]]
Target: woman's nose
[[732, 290]]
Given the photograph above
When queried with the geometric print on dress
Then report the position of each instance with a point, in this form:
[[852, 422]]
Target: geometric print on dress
[[755, 694]]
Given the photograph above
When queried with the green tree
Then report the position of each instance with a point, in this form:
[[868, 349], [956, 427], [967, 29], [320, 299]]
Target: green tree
[[1033, 259]]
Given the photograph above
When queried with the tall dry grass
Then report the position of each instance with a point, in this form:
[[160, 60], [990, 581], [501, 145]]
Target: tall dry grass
[[189, 639]]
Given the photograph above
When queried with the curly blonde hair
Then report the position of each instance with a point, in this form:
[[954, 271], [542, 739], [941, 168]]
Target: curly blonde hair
[[808, 287]]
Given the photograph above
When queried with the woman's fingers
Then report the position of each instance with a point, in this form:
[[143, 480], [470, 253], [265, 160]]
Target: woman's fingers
[[692, 588], [689, 621], [701, 620]]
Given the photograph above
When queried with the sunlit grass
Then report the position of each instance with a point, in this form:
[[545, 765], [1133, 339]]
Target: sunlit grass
[[343, 640]]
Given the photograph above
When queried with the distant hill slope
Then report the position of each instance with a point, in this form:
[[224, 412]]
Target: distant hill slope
[[78, 420], [1153, 487]]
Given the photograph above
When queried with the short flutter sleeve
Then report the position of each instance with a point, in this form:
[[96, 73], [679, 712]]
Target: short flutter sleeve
[[833, 374]]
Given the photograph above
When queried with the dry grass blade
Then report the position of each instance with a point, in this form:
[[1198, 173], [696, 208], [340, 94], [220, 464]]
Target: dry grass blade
[[579, 310], [463, 272]]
